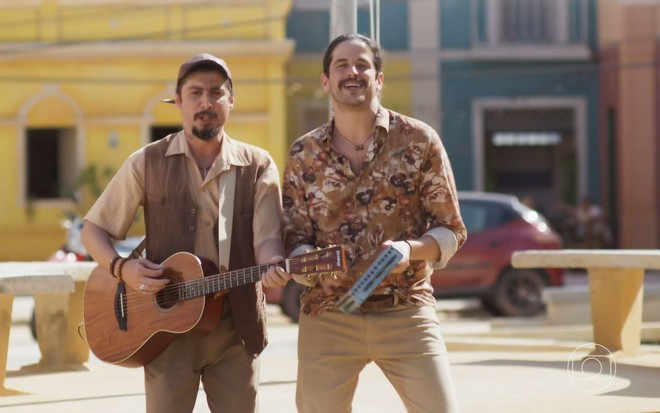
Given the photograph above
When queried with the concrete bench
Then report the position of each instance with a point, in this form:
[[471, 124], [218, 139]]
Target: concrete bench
[[570, 305], [616, 288], [57, 288]]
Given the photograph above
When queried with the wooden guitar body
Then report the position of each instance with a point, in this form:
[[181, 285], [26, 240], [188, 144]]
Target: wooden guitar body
[[153, 321]]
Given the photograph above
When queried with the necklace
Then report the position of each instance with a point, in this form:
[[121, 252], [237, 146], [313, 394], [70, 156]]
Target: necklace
[[357, 147], [204, 171]]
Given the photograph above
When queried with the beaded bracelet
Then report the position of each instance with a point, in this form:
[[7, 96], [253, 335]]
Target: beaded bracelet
[[111, 267], [119, 268]]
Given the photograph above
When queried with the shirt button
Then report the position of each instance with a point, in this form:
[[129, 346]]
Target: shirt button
[[191, 228], [193, 211]]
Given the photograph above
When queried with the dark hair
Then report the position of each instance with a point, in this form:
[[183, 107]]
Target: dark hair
[[371, 44], [205, 67]]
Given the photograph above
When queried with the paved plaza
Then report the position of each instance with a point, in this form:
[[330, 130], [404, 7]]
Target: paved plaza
[[499, 365]]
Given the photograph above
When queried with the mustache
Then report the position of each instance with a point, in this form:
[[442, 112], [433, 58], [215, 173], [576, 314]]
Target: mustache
[[209, 113], [361, 82]]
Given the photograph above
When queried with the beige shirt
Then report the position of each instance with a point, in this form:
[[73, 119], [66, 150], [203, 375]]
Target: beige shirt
[[116, 208]]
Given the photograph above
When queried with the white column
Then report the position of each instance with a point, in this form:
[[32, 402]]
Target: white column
[[343, 17], [424, 26]]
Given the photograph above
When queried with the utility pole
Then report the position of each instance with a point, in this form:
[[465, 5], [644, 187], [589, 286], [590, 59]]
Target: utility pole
[[343, 17], [426, 64]]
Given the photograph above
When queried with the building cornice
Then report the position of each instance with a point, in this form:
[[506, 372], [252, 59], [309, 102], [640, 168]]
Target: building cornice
[[513, 53], [145, 49], [491, 53]]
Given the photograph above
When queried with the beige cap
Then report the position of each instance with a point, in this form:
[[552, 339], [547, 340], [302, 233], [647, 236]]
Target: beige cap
[[197, 60]]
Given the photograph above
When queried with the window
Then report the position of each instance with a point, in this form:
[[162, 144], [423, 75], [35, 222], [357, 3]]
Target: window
[[159, 132], [531, 138], [482, 215], [474, 217], [527, 21], [531, 22], [51, 166]]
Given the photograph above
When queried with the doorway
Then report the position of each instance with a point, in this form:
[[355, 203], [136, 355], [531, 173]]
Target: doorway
[[532, 149]]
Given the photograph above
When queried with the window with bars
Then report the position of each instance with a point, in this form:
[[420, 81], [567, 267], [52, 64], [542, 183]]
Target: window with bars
[[531, 22], [527, 21]]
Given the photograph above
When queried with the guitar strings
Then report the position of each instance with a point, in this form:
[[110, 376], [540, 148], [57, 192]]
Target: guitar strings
[[197, 285], [137, 301]]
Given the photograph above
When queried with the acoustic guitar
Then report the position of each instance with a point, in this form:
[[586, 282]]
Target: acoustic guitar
[[127, 327]]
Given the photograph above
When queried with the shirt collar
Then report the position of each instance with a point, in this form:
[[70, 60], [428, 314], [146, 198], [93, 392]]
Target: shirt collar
[[384, 121], [229, 151]]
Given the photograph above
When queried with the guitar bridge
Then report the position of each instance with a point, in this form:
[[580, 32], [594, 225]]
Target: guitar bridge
[[120, 306]]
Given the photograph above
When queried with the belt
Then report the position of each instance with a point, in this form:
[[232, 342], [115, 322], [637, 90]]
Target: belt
[[380, 302]]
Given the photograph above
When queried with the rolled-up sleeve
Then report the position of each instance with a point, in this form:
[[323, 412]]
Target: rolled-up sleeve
[[446, 240]]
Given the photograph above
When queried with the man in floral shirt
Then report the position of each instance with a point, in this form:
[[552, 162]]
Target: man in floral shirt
[[368, 179]]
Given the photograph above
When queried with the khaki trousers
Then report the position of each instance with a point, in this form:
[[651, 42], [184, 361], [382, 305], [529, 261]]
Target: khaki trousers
[[404, 341], [229, 374]]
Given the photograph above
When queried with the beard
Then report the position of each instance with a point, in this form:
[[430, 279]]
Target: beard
[[205, 134]]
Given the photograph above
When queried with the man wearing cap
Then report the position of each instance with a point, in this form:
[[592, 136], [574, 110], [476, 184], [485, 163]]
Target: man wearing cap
[[218, 198]]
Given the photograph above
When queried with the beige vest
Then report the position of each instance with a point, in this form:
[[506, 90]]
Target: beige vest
[[170, 218]]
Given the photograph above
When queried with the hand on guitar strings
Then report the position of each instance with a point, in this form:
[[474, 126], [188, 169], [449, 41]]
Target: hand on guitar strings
[[275, 275], [142, 275]]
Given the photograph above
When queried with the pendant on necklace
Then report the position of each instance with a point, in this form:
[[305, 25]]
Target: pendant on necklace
[[357, 147]]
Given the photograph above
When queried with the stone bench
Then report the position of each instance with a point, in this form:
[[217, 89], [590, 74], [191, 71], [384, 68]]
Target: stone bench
[[616, 288], [570, 305], [57, 288]]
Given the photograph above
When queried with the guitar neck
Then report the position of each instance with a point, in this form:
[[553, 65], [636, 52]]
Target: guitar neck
[[213, 283]]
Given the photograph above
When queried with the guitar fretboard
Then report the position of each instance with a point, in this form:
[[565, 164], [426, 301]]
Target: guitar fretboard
[[213, 283]]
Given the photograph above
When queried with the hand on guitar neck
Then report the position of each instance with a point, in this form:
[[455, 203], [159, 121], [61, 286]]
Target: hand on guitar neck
[[275, 275]]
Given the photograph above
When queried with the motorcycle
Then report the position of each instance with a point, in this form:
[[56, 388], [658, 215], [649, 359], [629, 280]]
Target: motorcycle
[[72, 250]]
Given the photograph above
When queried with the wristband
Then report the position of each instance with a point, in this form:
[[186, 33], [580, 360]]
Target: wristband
[[119, 268], [409, 246], [111, 267]]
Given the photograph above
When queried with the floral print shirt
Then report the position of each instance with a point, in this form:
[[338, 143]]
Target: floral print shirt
[[404, 190]]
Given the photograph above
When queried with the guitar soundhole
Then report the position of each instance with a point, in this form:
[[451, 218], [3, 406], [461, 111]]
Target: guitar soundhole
[[168, 297]]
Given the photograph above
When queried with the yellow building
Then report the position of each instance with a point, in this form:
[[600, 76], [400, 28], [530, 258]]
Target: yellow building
[[82, 84]]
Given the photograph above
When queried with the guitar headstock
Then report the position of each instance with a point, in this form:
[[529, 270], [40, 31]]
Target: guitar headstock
[[319, 261]]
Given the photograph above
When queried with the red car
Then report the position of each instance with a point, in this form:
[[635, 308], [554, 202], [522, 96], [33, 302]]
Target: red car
[[498, 225]]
